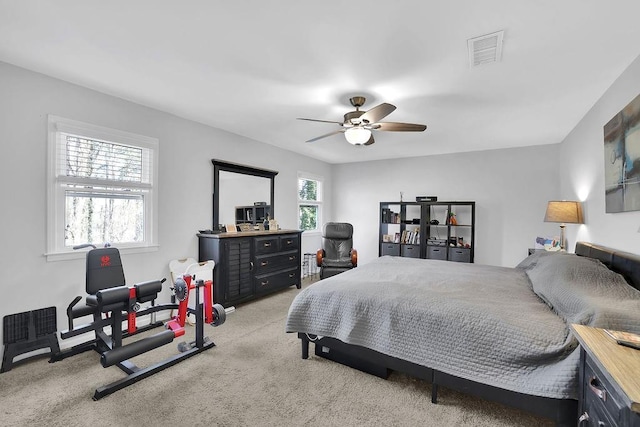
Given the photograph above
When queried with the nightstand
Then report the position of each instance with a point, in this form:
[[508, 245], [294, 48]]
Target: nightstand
[[533, 251], [609, 387]]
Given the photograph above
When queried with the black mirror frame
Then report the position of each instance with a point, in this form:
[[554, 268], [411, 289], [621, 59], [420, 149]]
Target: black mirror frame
[[222, 166]]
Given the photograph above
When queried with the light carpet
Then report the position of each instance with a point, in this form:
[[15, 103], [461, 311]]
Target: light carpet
[[253, 377]]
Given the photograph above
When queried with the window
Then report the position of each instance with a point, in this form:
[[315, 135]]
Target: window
[[102, 187], [309, 203]]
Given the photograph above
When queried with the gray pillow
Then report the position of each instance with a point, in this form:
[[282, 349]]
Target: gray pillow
[[531, 261], [583, 290]]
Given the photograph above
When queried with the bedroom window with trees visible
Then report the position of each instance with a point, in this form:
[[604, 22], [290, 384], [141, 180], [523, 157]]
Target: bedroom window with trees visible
[[102, 188], [309, 203]]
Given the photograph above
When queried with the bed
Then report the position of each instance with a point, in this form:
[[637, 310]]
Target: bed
[[500, 333]]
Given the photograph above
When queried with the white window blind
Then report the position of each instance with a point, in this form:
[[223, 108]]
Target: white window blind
[[102, 187]]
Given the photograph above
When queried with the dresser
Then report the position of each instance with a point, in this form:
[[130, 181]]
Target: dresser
[[251, 264], [609, 387]]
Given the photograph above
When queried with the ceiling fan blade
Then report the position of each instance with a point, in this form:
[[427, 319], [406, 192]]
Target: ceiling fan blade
[[370, 141], [326, 135], [377, 113], [322, 121], [399, 127]]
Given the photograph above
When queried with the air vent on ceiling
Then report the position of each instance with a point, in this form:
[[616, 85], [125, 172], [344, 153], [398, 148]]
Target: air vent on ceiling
[[485, 49]]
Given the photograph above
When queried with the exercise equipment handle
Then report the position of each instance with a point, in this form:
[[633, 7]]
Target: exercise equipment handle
[[116, 355], [85, 245]]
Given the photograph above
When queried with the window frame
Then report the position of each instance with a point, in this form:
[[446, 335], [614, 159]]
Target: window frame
[[57, 128], [318, 203]]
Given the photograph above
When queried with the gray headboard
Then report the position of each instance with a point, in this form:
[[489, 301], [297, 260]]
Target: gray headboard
[[624, 263]]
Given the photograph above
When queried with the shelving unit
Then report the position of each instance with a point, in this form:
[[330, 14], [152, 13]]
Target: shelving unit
[[254, 214], [408, 229]]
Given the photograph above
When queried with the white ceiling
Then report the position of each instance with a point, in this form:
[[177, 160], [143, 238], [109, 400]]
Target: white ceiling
[[252, 66]]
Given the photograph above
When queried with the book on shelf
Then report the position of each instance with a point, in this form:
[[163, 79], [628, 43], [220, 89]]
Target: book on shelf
[[386, 215], [390, 217], [628, 339], [410, 237]]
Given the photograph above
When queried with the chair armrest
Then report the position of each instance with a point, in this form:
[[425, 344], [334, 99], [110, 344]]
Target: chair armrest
[[319, 257], [354, 257]]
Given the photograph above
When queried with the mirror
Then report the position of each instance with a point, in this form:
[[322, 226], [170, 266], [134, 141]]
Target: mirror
[[239, 185], [240, 190]]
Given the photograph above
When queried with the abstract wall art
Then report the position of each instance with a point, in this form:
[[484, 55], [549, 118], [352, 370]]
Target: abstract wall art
[[622, 160]]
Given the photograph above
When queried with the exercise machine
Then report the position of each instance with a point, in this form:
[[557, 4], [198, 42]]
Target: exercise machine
[[111, 303]]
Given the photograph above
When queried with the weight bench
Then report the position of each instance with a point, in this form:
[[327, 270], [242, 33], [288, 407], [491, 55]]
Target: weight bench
[[111, 303]]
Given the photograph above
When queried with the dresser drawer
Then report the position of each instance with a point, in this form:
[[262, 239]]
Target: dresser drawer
[[269, 263], [601, 398], [596, 413], [266, 245], [289, 242], [279, 280]]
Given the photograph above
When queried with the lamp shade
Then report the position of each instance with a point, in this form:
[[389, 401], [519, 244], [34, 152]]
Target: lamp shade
[[564, 211], [357, 135]]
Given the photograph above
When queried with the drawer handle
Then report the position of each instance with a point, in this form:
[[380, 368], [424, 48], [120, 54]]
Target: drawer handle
[[265, 283], [267, 244], [584, 417], [292, 257], [602, 394], [291, 275], [263, 263], [289, 242]]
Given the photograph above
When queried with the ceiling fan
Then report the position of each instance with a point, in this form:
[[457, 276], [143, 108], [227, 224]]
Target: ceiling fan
[[357, 125]]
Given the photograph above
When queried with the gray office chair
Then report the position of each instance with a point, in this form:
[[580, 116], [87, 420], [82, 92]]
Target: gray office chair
[[337, 253]]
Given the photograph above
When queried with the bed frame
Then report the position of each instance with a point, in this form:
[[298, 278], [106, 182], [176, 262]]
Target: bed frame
[[563, 411]]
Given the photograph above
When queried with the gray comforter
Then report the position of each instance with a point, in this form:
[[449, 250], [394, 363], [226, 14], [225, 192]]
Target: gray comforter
[[481, 323]]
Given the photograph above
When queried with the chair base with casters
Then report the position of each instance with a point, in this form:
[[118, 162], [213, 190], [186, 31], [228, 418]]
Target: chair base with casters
[[111, 303], [337, 254]]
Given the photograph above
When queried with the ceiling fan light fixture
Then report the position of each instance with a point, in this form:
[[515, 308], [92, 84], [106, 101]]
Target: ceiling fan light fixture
[[357, 125], [357, 135]]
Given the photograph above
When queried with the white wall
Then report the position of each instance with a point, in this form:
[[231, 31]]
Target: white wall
[[582, 174], [510, 187], [185, 184]]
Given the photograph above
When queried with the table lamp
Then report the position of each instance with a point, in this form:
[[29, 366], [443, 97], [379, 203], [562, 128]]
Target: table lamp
[[564, 212]]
